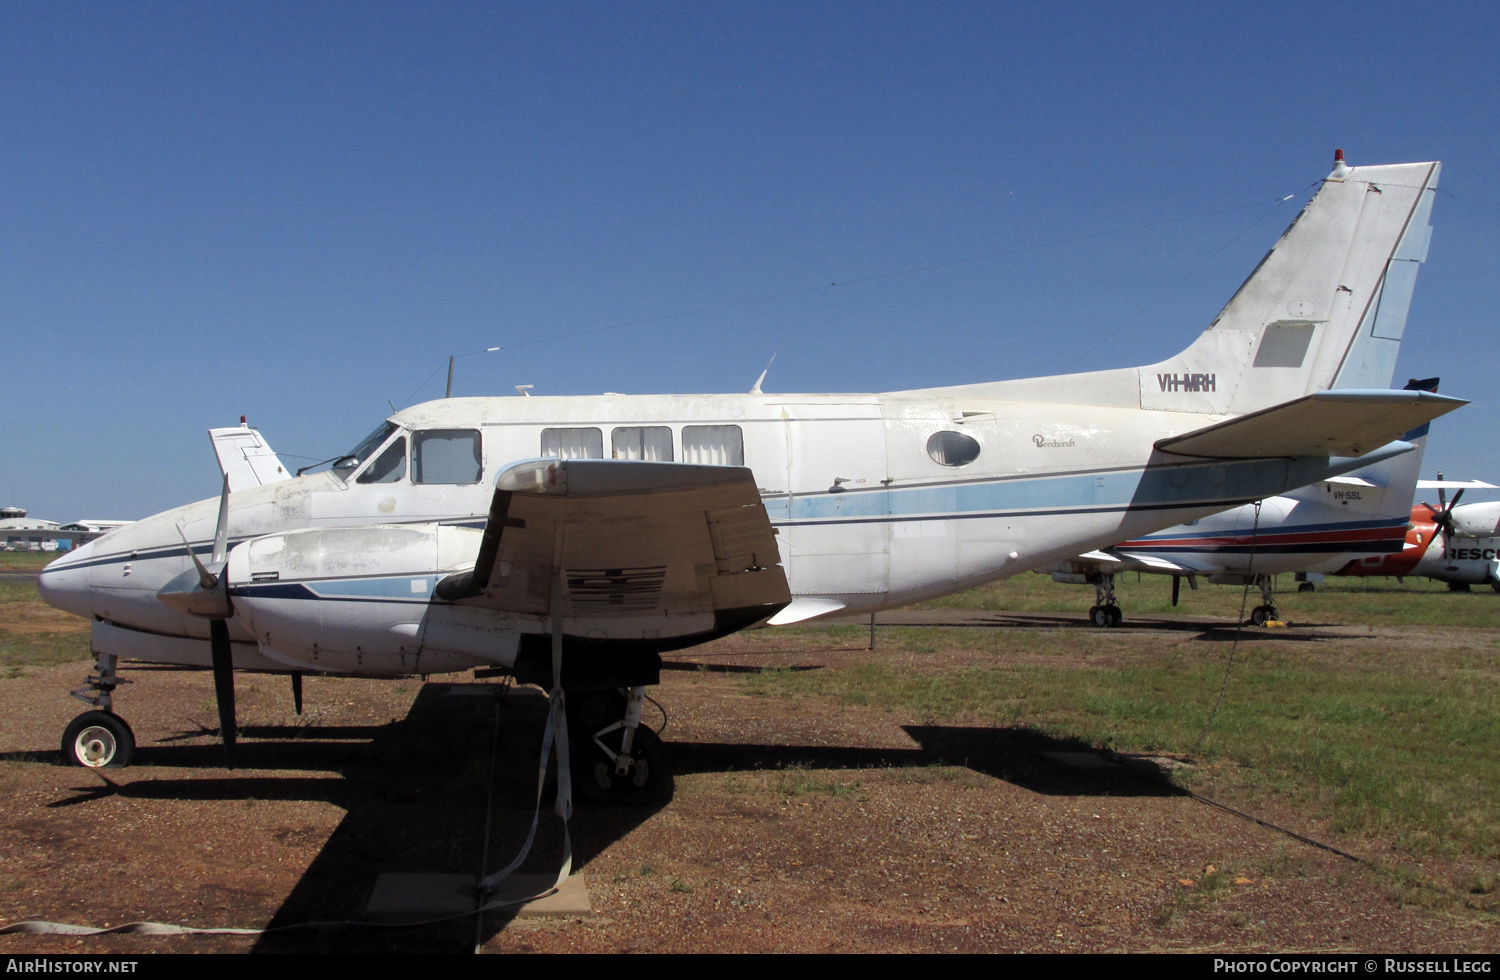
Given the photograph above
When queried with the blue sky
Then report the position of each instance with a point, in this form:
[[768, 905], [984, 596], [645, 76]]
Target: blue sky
[[297, 211]]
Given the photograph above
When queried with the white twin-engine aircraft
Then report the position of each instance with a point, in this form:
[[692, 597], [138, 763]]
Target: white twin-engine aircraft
[[520, 534], [1312, 530]]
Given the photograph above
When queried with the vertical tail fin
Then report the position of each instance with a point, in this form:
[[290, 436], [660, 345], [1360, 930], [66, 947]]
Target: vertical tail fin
[[1325, 308]]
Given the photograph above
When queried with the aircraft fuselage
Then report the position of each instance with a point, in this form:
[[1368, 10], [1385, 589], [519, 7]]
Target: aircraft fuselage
[[877, 500]]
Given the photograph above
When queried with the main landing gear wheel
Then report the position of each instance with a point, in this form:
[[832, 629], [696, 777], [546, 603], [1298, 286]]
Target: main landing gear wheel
[[1306, 587], [1261, 615], [595, 775], [1106, 617], [590, 711], [98, 740]]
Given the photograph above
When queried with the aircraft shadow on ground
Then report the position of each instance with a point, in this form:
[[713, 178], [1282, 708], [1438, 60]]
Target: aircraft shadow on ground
[[416, 803], [710, 668], [415, 796], [1022, 756], [1205, 631]]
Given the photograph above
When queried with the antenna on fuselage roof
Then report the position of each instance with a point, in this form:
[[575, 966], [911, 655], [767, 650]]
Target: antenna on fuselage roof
[[524, 390], [756, 390]]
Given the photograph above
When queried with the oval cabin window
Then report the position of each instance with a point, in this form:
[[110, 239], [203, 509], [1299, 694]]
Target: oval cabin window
[[952, 448]]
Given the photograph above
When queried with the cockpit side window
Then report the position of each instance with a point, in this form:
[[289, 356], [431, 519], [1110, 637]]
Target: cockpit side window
[[447, 456], [347, 464], [390, 467]]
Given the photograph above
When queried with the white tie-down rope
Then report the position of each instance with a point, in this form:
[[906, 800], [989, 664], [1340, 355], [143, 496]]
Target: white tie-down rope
[[555, 734]]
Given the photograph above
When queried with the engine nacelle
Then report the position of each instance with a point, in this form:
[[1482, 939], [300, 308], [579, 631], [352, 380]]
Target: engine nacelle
[[1480, 520], [359, 600]]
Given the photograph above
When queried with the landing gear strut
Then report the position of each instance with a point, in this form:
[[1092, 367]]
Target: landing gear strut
[[1105, 614], [99, 739], [616, 759], [1266, 612]]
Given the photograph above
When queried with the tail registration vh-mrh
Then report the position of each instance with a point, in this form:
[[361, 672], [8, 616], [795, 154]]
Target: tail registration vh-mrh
[[572, 540]]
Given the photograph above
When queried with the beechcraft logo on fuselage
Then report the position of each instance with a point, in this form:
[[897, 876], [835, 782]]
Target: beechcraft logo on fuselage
[[1188, 382]]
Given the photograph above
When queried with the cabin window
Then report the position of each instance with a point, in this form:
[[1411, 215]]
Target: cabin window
[[952, 448], [446, 456], [718, 445], [390, 467], [648, 442], [581, 443]]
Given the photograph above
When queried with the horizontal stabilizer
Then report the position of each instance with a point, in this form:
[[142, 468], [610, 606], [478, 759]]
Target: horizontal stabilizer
[[1327, 423]]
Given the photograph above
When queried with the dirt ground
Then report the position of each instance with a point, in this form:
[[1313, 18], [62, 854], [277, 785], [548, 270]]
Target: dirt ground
[[794, 826]]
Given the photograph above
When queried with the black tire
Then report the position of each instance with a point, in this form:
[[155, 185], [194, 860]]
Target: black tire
[[1259, 615], [1099, 616], [590, 711], [1307, 587], [98, 740], [1458, 586], [648, 781], [1116, 618]]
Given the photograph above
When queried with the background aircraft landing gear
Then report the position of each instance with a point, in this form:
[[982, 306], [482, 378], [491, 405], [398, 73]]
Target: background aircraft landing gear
[[616, 759], [1105, 614], [1106, 617], [1263, 614], [99, 739]]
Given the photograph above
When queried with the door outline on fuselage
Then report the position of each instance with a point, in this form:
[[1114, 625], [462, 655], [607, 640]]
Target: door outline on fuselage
[[838, 506]]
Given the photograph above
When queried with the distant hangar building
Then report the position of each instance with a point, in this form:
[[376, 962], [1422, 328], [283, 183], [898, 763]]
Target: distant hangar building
[[21, 533]]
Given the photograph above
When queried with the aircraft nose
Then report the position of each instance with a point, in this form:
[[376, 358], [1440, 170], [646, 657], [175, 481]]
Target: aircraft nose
[[65, 582]]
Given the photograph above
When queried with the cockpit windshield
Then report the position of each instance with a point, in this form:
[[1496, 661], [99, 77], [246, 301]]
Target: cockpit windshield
[[345, 465]]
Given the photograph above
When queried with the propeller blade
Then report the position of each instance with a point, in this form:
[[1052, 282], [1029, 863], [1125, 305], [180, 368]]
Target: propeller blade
[[221, 533], [206, 578], [218, 635]]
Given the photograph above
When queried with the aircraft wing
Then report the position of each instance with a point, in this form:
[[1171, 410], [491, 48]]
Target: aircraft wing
[[1118, 560], [642, 549], [1455, 485], [1345, 422]]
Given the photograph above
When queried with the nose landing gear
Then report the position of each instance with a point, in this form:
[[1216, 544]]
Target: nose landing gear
[[99, 739]]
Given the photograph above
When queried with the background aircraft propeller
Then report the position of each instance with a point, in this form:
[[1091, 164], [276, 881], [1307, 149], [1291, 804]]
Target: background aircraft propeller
[[1442, 515]]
